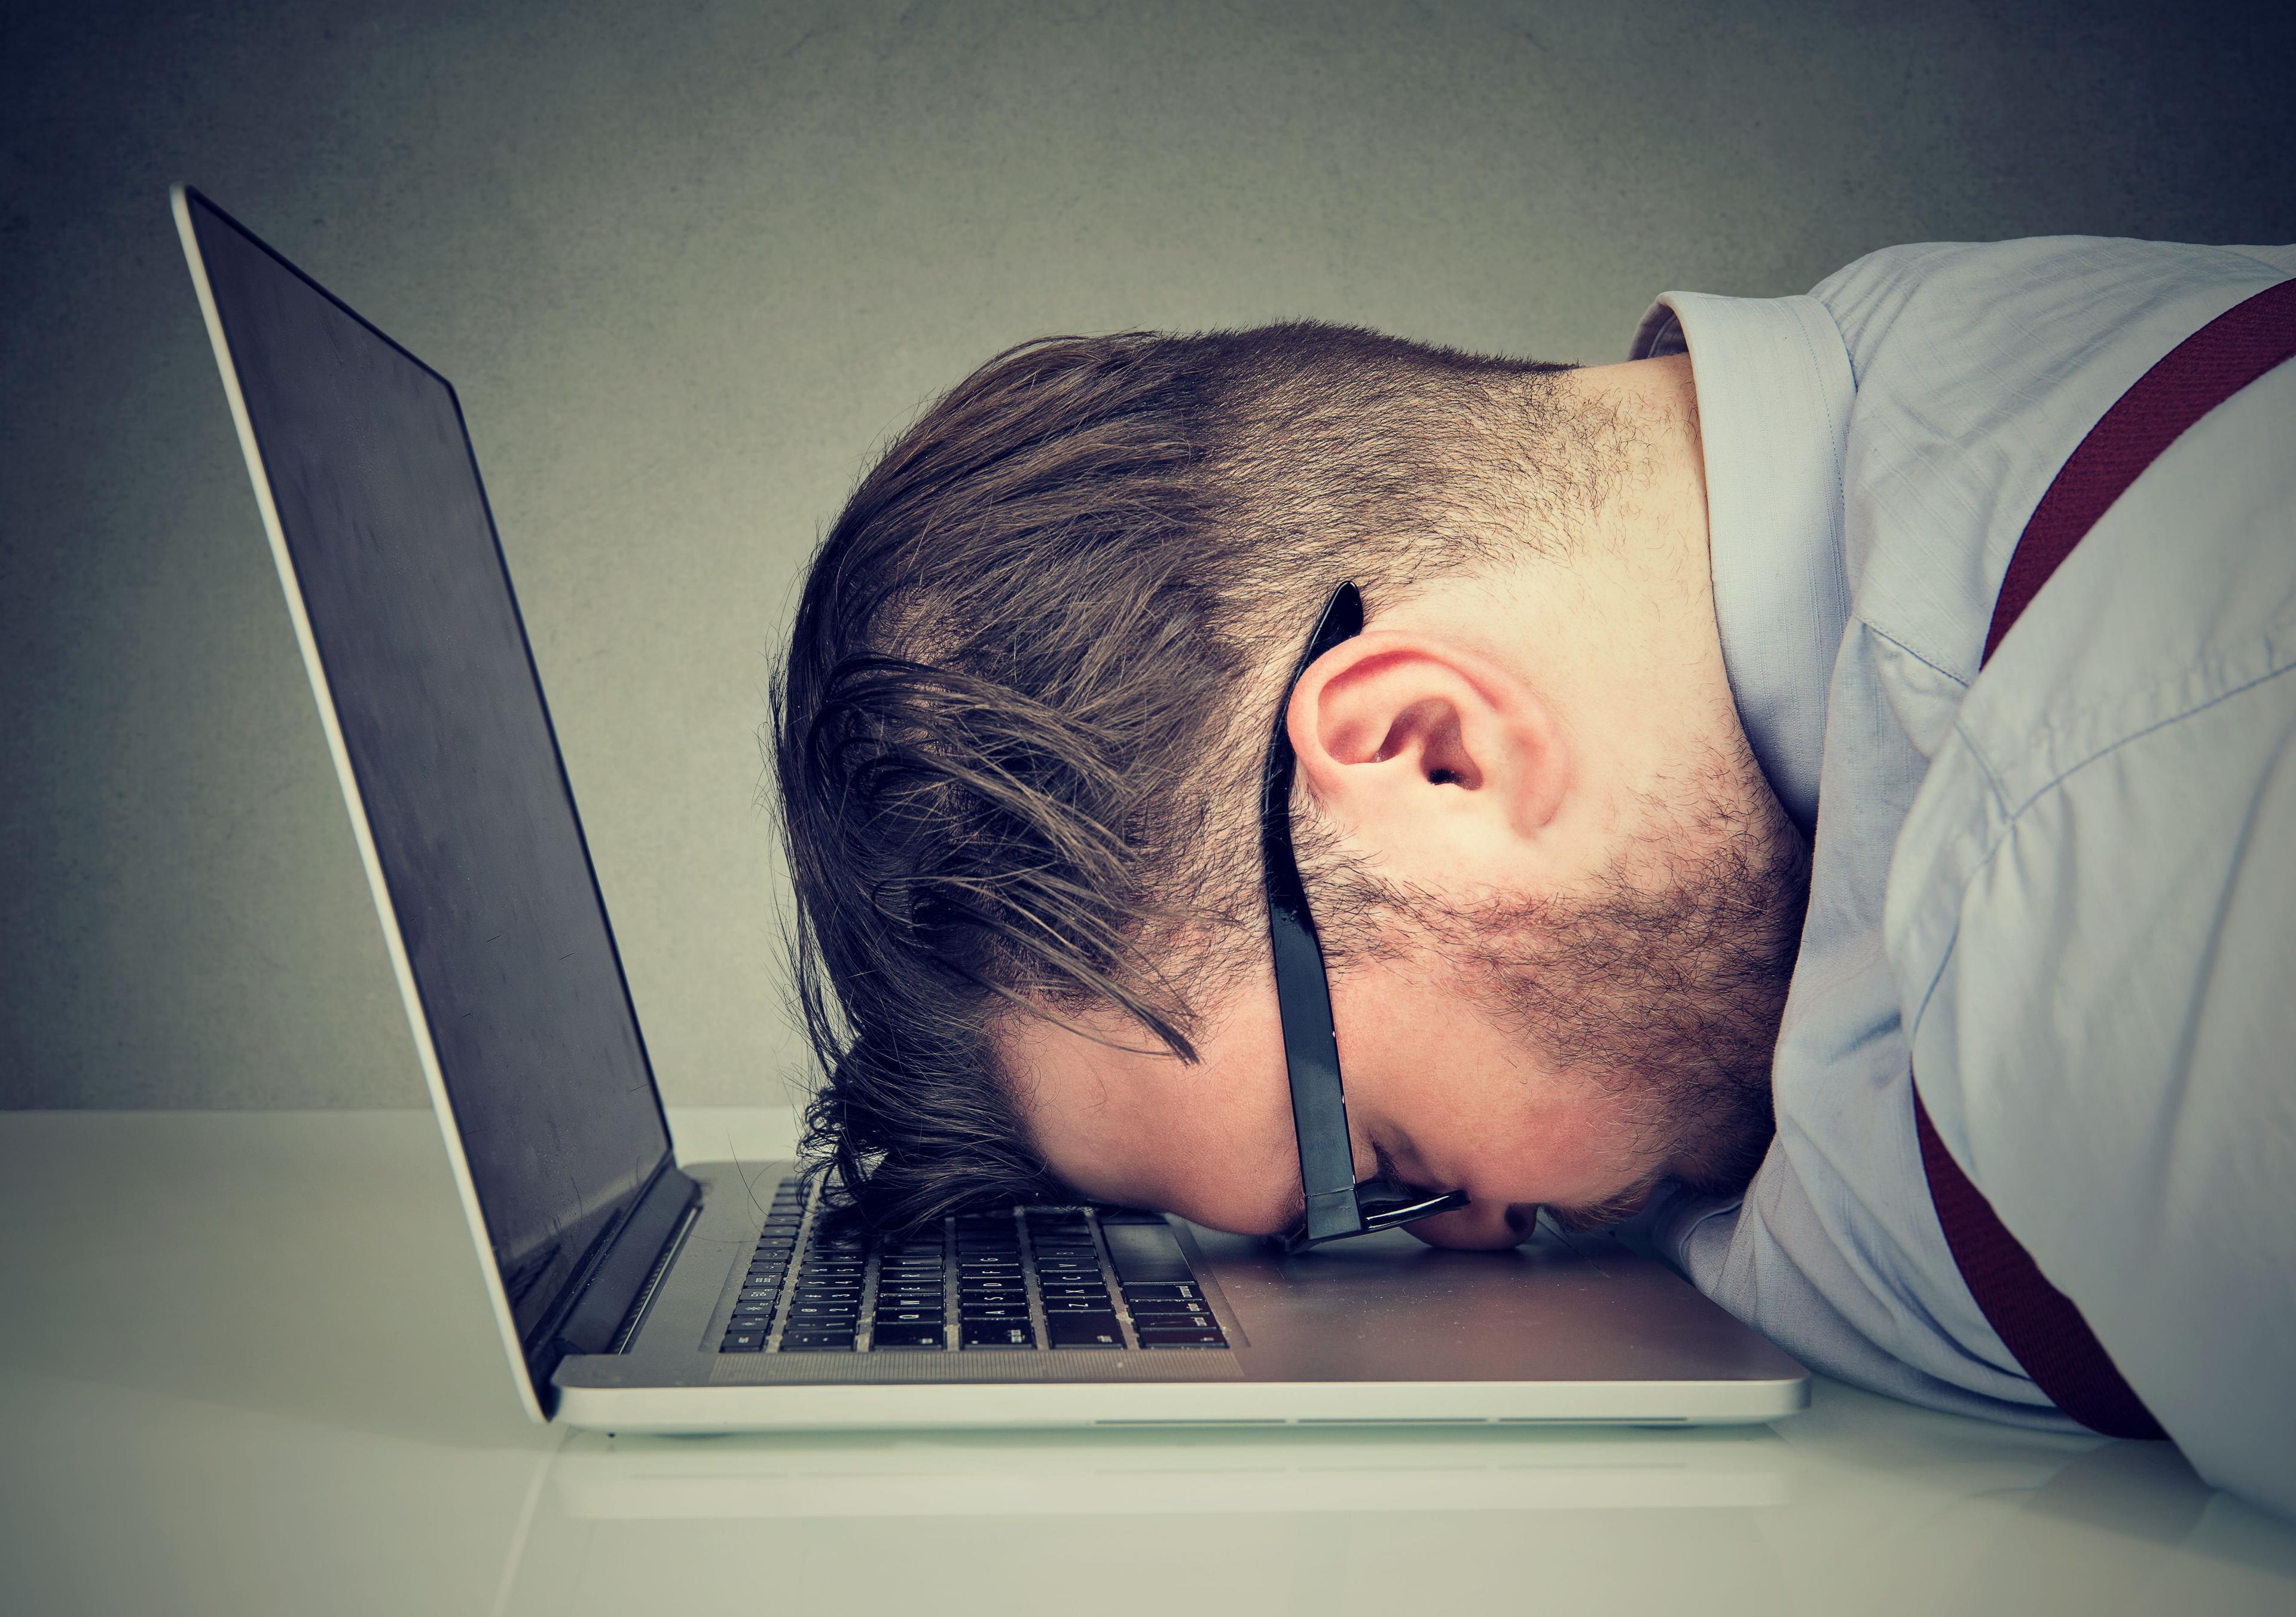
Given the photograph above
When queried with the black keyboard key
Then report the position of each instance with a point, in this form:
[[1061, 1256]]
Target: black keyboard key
[[908, 1316], [1147, 1252], [1134, 1293], [742, 1342], [817, 1342], [992, 1311], [1206, 1335], [1082, 1330], [1144, 1311], [909, 1336], [1095, 1301], [998, 1334]]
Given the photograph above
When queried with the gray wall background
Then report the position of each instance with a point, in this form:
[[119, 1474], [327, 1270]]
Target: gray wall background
[[688, 262]]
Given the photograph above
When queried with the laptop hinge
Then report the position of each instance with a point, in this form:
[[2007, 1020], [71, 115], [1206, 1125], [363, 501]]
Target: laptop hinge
[[630, 1262], [629, 1332]]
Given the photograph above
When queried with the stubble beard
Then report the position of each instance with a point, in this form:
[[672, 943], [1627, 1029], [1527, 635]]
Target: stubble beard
[[1664, 988], [1660, 987]]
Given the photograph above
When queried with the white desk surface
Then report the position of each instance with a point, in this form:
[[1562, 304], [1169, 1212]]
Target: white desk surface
[[246, 1367]]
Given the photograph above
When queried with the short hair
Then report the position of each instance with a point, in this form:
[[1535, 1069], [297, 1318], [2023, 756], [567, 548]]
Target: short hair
[[1018, 727]]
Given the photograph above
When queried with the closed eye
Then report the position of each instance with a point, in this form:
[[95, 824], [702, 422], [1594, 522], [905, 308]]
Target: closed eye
[[1388, 1171]]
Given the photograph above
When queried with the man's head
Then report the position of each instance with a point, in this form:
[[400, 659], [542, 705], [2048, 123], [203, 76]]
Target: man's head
[[1020, 733]]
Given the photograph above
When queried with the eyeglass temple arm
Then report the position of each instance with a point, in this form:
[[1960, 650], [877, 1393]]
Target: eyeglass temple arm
[[1311, 1049]]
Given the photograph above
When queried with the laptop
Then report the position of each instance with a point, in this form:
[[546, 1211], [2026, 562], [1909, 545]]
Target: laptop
[[636, 1293]]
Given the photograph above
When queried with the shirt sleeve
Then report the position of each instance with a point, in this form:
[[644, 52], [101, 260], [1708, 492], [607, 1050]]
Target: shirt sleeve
[[2093, 911]]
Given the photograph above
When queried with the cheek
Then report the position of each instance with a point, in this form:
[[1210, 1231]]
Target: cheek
[[1229, 1166], [1479, 1109]]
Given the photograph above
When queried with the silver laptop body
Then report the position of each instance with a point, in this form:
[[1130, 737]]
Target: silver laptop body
[[634, 1292]]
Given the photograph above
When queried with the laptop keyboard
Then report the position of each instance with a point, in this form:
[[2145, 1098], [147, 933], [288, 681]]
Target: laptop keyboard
[[1021, 1280]]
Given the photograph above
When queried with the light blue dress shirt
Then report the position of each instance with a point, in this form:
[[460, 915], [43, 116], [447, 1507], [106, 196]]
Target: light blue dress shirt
[[2064, 890]]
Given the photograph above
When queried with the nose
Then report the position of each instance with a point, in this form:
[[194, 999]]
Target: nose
[[1484, 1226]]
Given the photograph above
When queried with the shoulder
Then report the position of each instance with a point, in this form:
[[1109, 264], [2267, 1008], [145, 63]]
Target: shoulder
[[2180, 600], [1980, 367], [2042, 293]]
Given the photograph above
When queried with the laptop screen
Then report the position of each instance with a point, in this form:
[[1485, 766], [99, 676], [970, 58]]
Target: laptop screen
[[442, 718]]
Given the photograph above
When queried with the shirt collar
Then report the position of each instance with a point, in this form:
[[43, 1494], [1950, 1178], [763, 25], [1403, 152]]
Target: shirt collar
[[1774, 392]]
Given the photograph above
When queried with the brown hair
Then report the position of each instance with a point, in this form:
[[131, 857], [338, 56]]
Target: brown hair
[[1018, 725]]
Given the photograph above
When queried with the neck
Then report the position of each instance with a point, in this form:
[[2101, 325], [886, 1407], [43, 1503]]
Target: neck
[[1616, 628]]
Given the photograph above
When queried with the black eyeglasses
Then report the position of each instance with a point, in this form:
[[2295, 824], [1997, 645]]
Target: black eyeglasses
[[1338, 1206]]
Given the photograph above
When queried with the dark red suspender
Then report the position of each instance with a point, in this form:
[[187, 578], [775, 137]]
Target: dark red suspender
[[2035, 1321]]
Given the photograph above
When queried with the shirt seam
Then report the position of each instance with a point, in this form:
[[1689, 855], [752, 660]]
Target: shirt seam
[[1927, 662], [2279, 270], [2015, 815]]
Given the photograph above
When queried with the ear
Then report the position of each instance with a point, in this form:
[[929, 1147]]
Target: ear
[[1443, 764]]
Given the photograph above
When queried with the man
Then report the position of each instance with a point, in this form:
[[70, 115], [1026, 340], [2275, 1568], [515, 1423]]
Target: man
[[1654, 656]]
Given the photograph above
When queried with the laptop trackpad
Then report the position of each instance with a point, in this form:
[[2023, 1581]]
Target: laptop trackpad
[[1387, 1308]]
